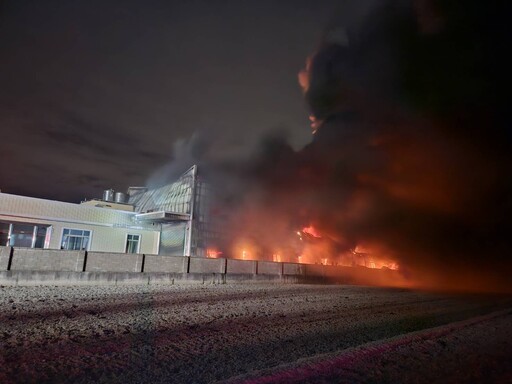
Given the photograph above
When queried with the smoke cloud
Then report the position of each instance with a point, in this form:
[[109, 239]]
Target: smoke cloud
[[411, 156], [186, 152]]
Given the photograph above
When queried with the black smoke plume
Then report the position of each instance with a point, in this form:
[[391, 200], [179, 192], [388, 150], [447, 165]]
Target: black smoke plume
[[412, 152]]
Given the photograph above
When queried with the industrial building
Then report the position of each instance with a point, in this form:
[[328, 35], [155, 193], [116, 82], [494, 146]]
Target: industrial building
[[169, 220]]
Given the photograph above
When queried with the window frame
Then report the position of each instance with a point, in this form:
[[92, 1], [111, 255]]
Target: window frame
[[138, 243], [9, 229], [75, 229]]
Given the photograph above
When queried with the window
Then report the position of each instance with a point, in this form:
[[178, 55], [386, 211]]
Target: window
[[132, 244], [24, 235], [75, 239], [41, 238]]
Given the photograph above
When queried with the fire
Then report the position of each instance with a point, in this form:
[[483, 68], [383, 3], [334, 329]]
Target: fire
[[304, 82], [379, 264], [315, 123], [245, 250], [303, 76], [311, 231], [372, 258], [319, 249], [309, 245], [212, 253]]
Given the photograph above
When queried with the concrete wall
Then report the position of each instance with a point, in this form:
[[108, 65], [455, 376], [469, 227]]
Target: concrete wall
[[200, 265], [5, 253], [317, 270], [167, 264], [31, 259], [113, 262], [44, 266], [293, 269], [35, 278], [269, 268], [31, 278], [246, 267]]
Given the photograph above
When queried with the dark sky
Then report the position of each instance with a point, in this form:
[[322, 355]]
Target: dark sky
[[95, 94]]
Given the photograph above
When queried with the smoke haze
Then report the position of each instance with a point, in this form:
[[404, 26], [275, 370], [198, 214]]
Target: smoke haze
[[411, 158]]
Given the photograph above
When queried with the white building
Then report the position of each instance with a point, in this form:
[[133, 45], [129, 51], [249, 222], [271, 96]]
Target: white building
[[165, 221]]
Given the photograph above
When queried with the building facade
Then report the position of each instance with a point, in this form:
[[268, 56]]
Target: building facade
[[169, 220]]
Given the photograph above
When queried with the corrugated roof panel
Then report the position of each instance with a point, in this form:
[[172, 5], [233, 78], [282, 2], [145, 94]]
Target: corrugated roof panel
[[173, 197]]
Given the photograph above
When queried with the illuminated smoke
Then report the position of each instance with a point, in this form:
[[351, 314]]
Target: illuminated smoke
[[411, 158], [410, 165]]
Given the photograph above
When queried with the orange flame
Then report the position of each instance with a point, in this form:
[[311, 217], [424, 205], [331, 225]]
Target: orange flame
[[372, 258], [317, 250], [212, 253], [311, 231]]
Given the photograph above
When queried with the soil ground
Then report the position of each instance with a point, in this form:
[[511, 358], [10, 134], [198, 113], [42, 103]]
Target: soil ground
[[252, 333]]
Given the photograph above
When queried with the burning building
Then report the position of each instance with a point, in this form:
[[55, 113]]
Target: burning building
[[409, 164], [182, 218]]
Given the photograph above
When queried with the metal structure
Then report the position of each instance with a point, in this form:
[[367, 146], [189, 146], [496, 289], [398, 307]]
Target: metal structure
[[182, 209]]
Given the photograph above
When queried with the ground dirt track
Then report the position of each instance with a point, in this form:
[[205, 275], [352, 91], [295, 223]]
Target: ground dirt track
[[255, 333]]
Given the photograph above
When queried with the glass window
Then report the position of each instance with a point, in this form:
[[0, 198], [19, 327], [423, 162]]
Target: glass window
[[24, 235], [132, 244], [21, 235], [40, 237], [75, 239]]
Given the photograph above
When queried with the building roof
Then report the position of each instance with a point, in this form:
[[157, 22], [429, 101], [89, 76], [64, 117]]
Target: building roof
[[174, 198]]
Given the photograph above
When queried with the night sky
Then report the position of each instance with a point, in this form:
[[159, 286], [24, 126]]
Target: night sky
[[97, 94]]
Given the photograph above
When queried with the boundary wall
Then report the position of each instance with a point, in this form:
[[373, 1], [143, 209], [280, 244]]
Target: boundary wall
[[26, 266]]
